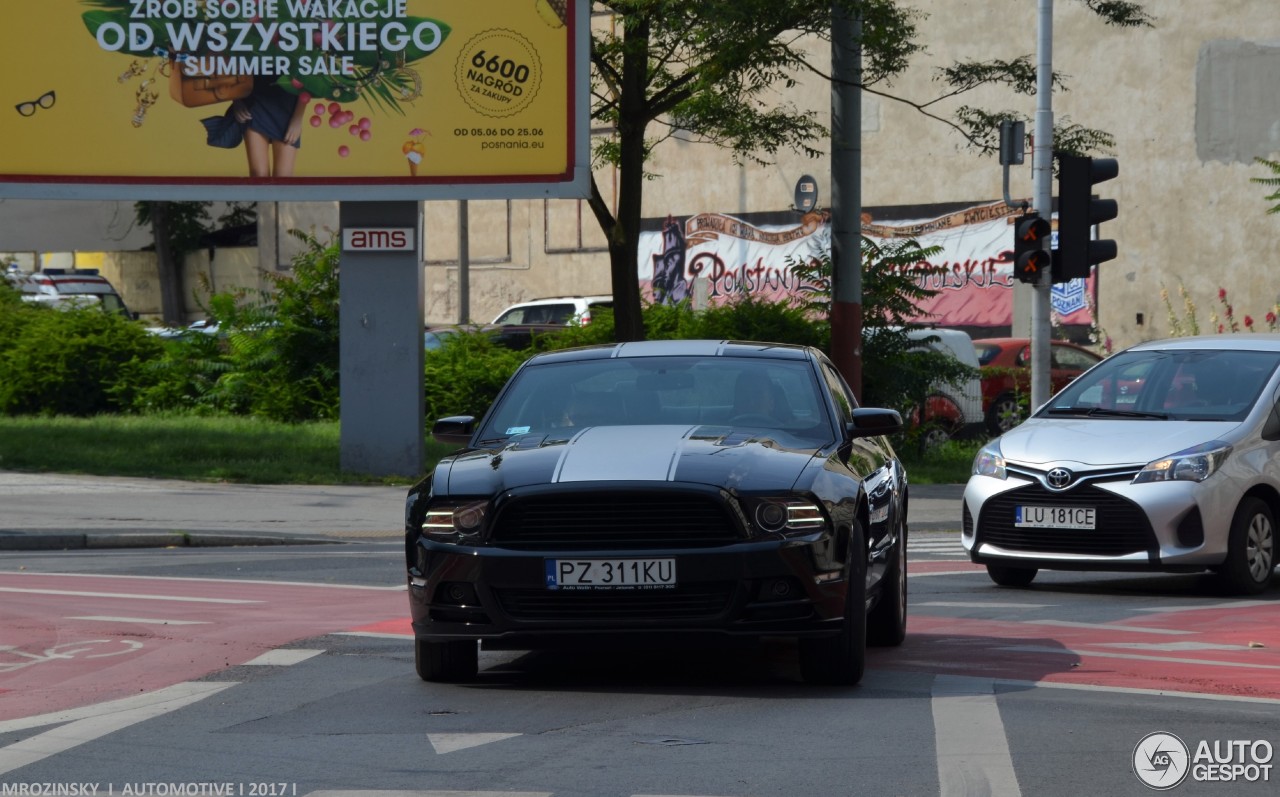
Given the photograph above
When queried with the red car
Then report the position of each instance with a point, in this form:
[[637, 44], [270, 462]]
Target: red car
[[1006, 375]]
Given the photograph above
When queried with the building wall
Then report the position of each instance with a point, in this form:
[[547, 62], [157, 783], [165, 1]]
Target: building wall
[[1191, 103]]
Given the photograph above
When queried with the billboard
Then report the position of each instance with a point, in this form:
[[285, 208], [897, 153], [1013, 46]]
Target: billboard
[[294, 99], [970, 278]]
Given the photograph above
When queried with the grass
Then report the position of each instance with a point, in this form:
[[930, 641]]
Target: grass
[[253, 451], [948, 463], [231, 449]]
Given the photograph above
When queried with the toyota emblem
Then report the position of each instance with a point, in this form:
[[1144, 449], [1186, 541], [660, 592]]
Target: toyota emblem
[[1058, 478]]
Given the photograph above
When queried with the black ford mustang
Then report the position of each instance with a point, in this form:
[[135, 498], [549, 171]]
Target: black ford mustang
[[665, 488]]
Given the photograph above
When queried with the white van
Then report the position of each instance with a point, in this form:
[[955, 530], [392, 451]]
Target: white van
[[77, 287], [956, 408]]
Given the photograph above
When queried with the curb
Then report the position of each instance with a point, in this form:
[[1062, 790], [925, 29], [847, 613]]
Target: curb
[[60, 541]]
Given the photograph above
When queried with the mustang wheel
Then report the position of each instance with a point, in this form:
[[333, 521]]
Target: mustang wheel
[[840, 659], [1251, 548], [456, 660], [1007, 576], [887, 623]]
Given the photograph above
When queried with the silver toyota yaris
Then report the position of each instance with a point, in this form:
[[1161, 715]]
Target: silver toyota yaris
[[1163, 457]]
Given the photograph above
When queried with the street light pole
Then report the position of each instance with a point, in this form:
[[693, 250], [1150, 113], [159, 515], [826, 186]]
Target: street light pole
[[1042, 176]]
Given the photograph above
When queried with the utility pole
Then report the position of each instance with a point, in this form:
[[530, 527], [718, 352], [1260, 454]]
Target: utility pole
[[846, 194], [1042, 176]]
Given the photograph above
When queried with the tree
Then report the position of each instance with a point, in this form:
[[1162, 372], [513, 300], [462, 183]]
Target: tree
[[179, 228], [711, 69], [1270, 182]]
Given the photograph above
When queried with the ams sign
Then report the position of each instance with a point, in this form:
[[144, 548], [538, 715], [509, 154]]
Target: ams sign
[[378, 239]]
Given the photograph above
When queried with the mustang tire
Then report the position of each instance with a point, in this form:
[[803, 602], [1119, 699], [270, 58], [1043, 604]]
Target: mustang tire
[[887, 623], [840, 659], [453, 661]]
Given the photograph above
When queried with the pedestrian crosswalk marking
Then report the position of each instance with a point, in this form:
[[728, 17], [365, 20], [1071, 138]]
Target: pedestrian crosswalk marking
[[451, 742]]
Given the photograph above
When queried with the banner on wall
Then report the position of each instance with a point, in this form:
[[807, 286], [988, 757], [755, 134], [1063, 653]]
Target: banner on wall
[[293, 99], [713, 257]]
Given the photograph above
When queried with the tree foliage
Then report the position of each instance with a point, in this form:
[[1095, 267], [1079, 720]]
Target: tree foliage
[[714, 70]]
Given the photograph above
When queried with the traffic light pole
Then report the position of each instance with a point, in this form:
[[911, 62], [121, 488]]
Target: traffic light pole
[[1042, 176]]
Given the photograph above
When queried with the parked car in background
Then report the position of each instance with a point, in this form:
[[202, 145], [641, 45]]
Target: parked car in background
[[560, 310], [1163, 457], [510, 336], [76, 287], [662, 489], [1006, 375], [951, 410]]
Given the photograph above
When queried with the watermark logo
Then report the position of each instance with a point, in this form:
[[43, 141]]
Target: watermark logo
[[1160, 760]]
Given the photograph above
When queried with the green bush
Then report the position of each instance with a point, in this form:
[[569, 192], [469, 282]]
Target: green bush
[[71, 362], [464, 375], [275, 355]]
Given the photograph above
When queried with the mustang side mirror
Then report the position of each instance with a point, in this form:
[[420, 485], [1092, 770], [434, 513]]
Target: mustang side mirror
[[871, 422], [455, 430]]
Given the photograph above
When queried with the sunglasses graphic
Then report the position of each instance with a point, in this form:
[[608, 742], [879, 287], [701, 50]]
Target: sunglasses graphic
[[29, 108]]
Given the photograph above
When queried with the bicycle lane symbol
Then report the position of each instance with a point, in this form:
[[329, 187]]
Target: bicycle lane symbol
[[12, 659]]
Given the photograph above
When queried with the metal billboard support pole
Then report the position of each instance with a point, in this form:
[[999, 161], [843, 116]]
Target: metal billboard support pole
[[846, 195], [380, 318]]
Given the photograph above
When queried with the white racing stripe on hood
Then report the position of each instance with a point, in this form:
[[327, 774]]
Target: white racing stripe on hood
[[622, 453]]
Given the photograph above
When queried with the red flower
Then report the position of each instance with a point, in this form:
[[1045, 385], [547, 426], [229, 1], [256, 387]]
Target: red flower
[[1271, 317], [1221, 329], [1222, 294], [1248, 322]]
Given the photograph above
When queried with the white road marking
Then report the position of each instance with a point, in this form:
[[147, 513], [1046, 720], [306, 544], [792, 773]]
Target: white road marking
[[1133, 690], [1132, 629], [283, 657], [123, 596], [397, 588], [1200, 607], [973, 753], [87, 723], [1171, 646], [982, 605], [449, 742], [1137, 657], [377, 793], [915, 574], [139, 620], [408, 634]]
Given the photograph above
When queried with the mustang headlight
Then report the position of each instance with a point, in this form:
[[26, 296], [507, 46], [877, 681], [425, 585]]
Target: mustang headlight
[[1194, 464], [455, 522], [787, 516], [990, 462]]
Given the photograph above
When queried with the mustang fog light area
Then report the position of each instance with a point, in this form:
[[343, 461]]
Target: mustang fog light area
[[990, 462], [789, 517], [450, 522], [1194, 464]]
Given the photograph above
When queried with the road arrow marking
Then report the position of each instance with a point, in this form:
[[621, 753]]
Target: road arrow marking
[[450, 742]]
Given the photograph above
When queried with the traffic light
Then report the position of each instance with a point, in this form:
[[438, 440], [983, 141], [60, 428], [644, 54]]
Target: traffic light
[[1078, 211], [1030, 257]]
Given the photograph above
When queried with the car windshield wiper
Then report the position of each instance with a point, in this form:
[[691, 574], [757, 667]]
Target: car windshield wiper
[[1094, 412]]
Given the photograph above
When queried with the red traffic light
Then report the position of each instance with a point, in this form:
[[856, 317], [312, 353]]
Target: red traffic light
[[1030, 257]]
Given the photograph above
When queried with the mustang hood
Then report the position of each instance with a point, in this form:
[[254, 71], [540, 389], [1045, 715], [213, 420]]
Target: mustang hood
[[734, 459], [1101, 442]]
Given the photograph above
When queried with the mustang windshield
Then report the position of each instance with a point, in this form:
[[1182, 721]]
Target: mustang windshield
[[1183, 385], [558, 398]]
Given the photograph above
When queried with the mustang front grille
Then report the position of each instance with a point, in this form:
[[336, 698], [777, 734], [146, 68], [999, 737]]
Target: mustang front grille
[[1121, 527], [613, 521]]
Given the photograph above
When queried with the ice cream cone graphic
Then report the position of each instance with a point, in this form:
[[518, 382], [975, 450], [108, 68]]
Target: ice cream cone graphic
[[414, 151]]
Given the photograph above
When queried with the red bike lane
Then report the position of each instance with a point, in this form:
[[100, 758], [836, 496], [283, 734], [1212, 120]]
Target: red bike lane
[[71, 641]]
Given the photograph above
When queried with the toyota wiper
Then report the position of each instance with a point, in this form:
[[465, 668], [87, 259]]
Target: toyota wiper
[[1103, 412]]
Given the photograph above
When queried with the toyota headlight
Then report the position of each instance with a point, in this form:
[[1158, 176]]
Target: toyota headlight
[[990, 462], [1194, 464]]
